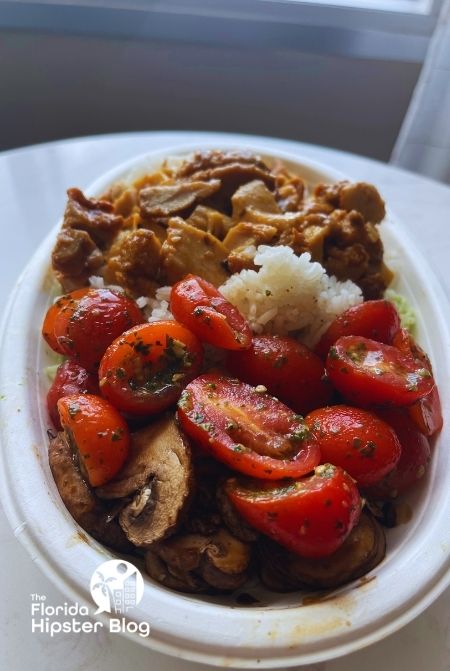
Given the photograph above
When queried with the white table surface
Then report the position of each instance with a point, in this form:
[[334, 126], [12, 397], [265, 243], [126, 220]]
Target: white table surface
[[33, 182]]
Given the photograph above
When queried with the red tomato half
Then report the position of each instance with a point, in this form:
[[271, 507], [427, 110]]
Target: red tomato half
[[54, 328], [99, 434], [248, 431], [413, 461], [70, 379], [356, 440], [288, 369], [377, 320], [198, 305], [425, 413], [367, 372], [144, 370], [100, 317], [311, 516]]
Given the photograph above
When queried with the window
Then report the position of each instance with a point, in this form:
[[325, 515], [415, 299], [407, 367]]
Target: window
[[374, 29]]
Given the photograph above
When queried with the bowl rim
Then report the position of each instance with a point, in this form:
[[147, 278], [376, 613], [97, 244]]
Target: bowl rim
[[273, 649]]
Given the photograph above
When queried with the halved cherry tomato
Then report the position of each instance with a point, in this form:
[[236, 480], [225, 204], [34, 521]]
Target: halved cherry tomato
[[144, 370], [414, 459], [100, 316], [95, 428], [198, 305], [404, 341], [248, 430], [70, 379], [425, 413], [367, 372], [57, 318], [288, 369], [377, 320], [356, 440], [311, 516]]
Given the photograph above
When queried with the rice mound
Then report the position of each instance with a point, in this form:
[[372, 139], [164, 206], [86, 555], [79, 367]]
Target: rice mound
[[289, 293]]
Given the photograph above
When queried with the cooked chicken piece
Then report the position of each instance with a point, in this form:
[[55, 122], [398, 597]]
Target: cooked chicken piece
[[196, 563], [284, 571], [89, 227], [215, 158], [96, 217], [152, 225], [90, 513], [365, 199], [189, 250], [158, 475], [126, 202], [373, 284], [350, 263], [256, 195], [353, 250], [212, 221], [231, 168], [242, 241], [172, 199], [282, 221], [75, 258], [307, 235], [133, 262], [247, 233], [362, 197], [290, 188]]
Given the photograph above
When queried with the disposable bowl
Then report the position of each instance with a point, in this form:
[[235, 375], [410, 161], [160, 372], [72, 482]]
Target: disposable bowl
[[280, 630]]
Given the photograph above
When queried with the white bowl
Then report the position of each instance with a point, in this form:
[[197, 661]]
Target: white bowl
[[283, 631]]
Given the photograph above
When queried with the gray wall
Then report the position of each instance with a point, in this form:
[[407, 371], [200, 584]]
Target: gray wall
[[55, 87]]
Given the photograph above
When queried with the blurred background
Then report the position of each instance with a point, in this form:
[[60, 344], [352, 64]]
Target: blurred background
[[367, 76]]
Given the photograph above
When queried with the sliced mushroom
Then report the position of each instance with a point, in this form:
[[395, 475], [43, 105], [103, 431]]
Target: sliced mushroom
[[225, 561], [158, 475], [196, 563], [232, 519], [204, 516], [174, 565], [169, 200], [90, 513], [284, 571]]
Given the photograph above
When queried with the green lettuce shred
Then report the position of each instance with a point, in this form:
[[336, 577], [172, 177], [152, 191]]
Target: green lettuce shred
[[407, 315], [50, 371]]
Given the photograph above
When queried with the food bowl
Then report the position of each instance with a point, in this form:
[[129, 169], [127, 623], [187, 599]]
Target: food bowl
[[278, 630]]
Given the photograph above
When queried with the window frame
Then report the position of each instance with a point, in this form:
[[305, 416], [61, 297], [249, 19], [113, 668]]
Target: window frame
[[397, 30]]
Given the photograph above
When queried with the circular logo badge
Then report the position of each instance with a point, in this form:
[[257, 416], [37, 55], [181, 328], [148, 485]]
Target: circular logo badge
[[116, 586]]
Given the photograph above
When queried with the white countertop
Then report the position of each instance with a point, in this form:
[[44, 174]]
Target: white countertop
[[33, 182]]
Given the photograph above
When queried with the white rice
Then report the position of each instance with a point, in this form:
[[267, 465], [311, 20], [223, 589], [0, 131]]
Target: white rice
[[158, 307], [289, 294]]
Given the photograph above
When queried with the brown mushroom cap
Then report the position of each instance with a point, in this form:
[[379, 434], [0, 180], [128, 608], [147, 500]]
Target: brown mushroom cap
[[90, 513], [284, 571], [233, 520], [158, 474], [196, 563]]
